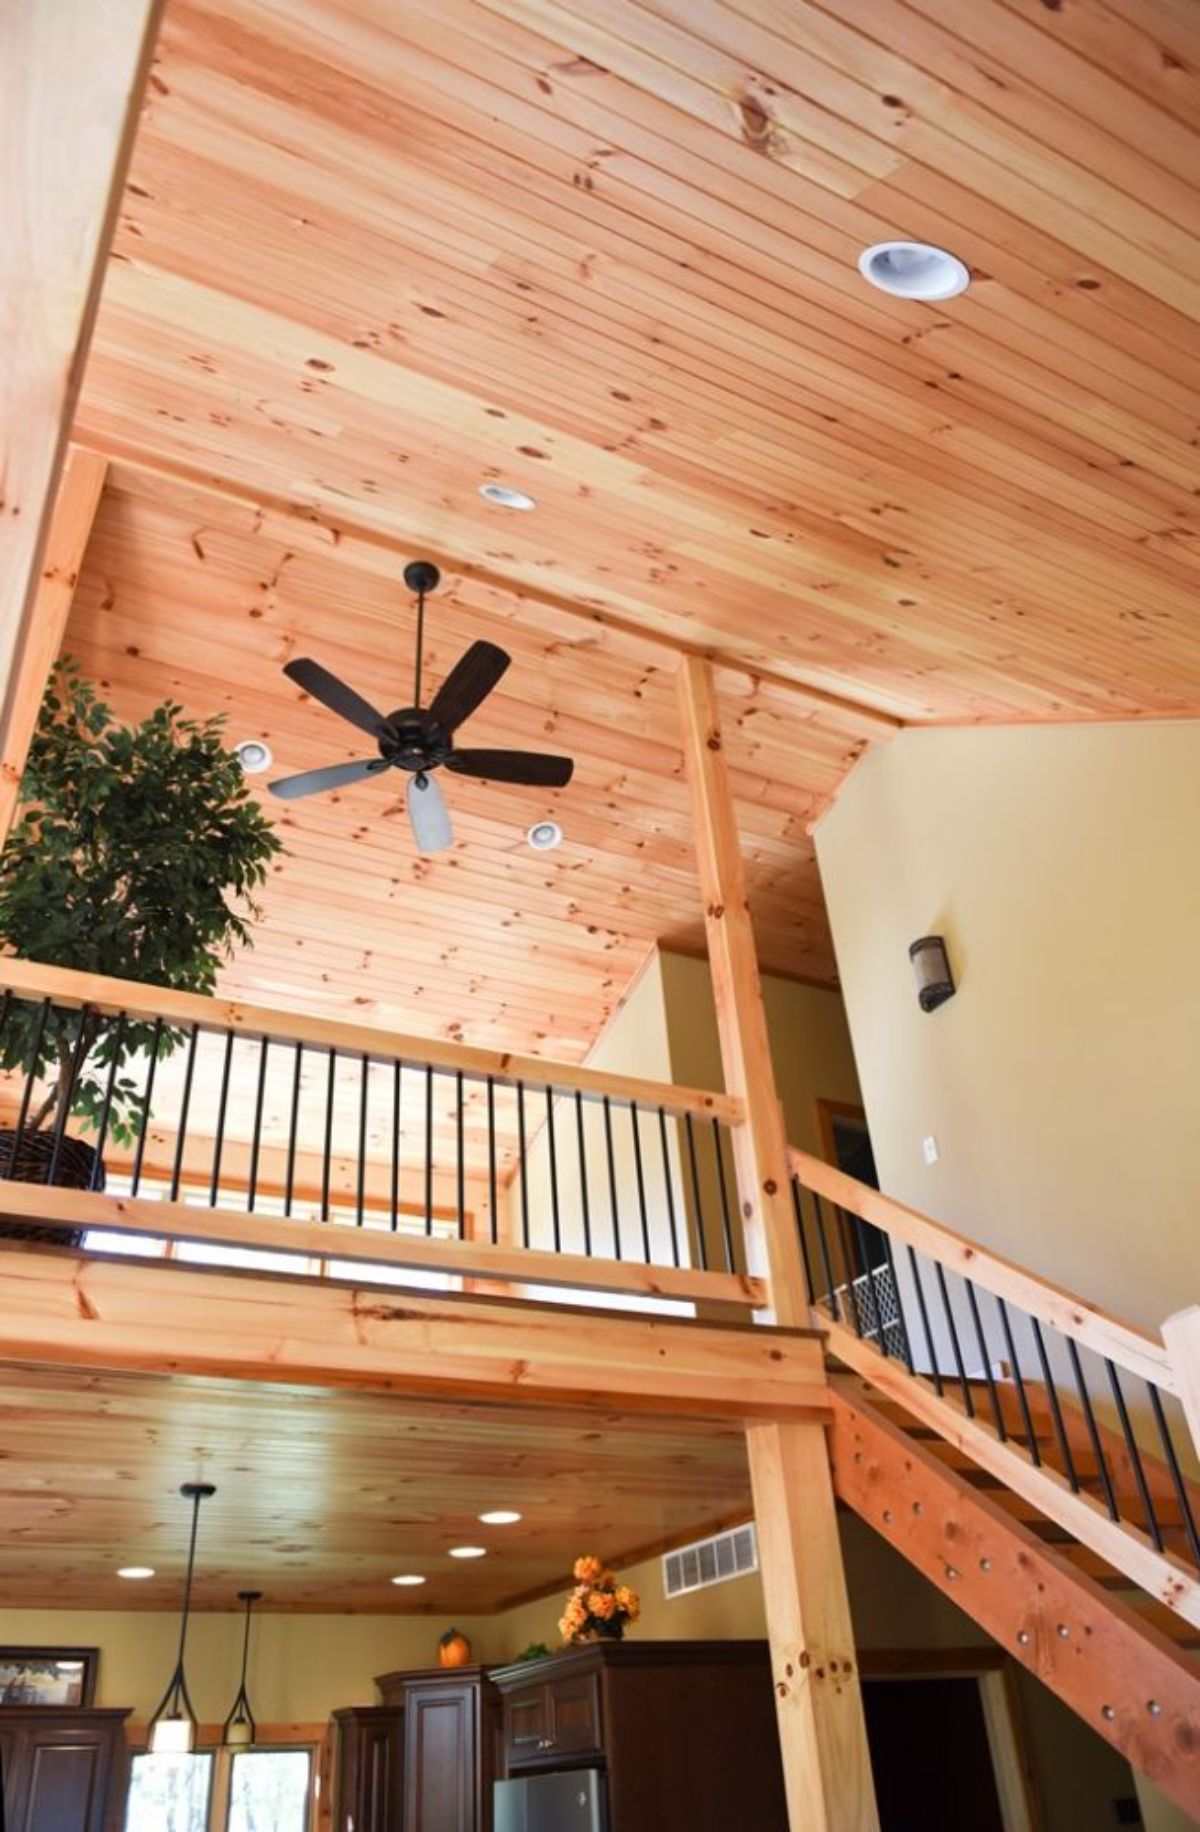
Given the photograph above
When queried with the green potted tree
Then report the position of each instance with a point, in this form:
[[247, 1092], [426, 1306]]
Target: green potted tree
[[136, 854]]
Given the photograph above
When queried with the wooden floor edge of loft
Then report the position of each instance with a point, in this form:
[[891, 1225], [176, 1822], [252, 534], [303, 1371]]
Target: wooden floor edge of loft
[[165, 1316]]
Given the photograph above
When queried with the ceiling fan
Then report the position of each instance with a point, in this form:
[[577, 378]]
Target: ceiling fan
[[421, 739]]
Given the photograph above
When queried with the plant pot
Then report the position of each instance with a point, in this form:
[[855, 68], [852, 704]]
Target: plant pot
[[603, 1631], [77, 1168]]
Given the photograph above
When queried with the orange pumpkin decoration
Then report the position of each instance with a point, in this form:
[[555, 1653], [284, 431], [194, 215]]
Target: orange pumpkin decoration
[[454, 1650]]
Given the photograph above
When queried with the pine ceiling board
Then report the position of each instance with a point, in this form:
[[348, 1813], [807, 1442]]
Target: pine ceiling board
[[1031, 421], [323, 1496], [183, 596]]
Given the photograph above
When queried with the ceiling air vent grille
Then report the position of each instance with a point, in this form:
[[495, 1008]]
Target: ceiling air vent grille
[[710, 1561]]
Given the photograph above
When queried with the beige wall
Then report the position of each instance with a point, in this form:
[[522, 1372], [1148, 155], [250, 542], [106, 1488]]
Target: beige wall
[[302, 1667], [1063, 866]]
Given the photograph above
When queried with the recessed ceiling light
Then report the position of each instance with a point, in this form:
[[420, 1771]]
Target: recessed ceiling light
[[468, 1552], [406, 1578], [914, 270], [136, 1571], [505, 497], [500, 1517], [254, 756], [544, 836]]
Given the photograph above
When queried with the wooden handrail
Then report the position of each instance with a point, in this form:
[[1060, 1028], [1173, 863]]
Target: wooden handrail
[[34, 980], [1140, 1352]]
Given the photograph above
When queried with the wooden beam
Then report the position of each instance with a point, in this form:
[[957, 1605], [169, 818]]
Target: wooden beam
[[71, 1209], [70, 1310], [1135, 1349], [32, 979], [73, 73], [1181, 1334], [66, 543], [1124, 1679], [760, 1145], [822, 1730], [1122, 1544]]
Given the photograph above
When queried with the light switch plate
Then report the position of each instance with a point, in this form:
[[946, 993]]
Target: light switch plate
[[929, 1146]]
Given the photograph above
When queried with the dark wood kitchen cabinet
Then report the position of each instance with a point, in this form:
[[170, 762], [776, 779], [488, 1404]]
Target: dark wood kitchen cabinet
[[368, 1788], [64, 1771], [685, 1730], [451, 1726]]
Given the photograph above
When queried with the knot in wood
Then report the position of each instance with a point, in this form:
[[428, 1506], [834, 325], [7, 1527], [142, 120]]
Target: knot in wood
[[713, 741]]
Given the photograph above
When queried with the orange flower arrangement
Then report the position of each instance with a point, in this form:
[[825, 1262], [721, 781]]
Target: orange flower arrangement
[[598, 1607]]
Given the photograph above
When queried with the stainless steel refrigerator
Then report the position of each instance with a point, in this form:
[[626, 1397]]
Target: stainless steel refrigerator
[[570, 1802]]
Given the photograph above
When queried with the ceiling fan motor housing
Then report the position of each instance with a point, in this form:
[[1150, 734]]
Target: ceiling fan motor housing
[[413, 740]]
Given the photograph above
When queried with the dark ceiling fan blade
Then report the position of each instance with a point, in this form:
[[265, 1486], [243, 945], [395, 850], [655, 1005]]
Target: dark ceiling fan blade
[[533, 767], [335, 776], [335, 694], [468, 684]]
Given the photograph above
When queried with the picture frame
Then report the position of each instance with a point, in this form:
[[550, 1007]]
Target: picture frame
[[48, 1678]]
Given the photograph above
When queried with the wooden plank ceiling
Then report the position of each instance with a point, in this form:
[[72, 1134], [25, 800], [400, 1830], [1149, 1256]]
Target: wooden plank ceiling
[[324, 1496]]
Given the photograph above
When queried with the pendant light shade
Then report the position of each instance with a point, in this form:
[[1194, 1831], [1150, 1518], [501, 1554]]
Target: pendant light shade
[[240, 1728], [173, 1725]]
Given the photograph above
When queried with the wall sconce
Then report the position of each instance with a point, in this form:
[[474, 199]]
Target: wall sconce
[[935, 982]]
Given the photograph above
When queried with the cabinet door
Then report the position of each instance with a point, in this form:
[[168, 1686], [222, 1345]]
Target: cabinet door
[[370, 1755], [64, 1785], [526, 1725], [441, 1759], [575, 1716]]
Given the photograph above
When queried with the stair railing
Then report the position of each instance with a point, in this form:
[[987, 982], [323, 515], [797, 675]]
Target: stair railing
[[339, 1147], [1080, 1413]]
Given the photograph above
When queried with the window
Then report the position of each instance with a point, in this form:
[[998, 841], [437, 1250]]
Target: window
[[170, 1793], [221, 1790]]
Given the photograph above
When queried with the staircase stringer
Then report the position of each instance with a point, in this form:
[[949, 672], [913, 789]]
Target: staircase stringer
[[1124, 1678], [1159, 1574]]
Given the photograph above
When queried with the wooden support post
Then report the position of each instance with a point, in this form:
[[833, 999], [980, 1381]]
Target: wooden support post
[[66, 543], [760, 1144], [71, 78], [814, 1667], [822, 1731], [1181, 1334]]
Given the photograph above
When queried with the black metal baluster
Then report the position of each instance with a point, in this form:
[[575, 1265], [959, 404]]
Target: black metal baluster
[[668, 1184], [214, 1187], [1060, 1430], [459, 1144], [701, 1241], [553, 1148], [184, 1109], [6, 1004], [1110, 1499], [524, 1164], [726, 1219], [934, 1369], [1022, 1397], [364, 1096], [612, 1178], [397, 1098], [901, 1319], [494, 1229], [256, 1139], [798, 1211], [968, 1400], [1180, 1486], [327, 1154], [110, 1088], [78, 1054], [147, 1100], [640, 1174], [428, 1148], [584, 1194], [1135, 1457], [27, 1095], [290, 1174], [989, 1377], [831, 1298]]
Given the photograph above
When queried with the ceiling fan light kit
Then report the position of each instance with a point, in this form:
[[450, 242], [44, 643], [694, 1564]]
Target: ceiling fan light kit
[[420, 739]]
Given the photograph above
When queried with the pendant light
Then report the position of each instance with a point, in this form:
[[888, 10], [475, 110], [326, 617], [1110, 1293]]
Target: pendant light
[[240, 1729], [173, 1726]]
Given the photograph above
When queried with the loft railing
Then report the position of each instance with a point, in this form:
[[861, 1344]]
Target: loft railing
[[230, 1127], [1080, 1413]]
